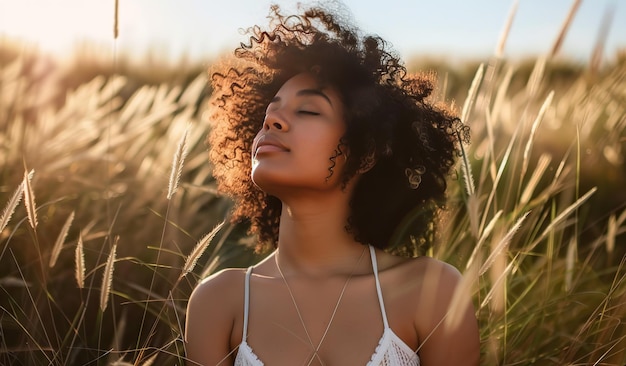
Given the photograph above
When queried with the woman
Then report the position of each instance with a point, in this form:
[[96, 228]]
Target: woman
[[326, 145]]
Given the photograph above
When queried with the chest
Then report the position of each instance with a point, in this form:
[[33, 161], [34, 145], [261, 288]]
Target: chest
[[324, 323]]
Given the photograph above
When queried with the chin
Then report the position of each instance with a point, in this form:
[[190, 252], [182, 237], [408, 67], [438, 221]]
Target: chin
[[274, 181], [268, 183]]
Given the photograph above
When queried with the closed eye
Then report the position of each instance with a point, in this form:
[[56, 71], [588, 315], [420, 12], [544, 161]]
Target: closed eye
[[310, 113]]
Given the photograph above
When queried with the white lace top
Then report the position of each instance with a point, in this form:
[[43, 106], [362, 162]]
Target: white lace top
[[391, 350]]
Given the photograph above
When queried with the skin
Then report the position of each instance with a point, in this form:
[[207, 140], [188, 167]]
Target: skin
[[317, 256]]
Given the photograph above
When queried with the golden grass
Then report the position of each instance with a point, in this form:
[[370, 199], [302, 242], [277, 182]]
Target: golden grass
[[199, 249], [564, 27], [10, 207], [79, 260], [177, 165], [107, 277], [507, 29], [536, 215], [58, 244], [29, 199]]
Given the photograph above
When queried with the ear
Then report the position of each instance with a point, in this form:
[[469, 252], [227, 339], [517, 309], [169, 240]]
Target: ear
[[367, 162]]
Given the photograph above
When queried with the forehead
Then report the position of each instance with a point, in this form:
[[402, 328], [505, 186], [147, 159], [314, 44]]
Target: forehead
[[304, 79], [307, 82]]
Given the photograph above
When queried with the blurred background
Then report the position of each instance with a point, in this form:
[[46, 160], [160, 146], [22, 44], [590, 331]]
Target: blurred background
[[109, 205], [198, 29]]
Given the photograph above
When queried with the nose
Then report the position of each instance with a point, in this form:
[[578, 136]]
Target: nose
[[273, 120]]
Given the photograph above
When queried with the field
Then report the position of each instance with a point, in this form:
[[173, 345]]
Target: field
[[111, 217]]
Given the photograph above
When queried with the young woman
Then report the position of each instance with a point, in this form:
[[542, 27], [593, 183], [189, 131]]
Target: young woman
[[326, 144]]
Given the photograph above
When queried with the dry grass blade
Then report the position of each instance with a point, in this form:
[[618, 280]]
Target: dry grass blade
[[497, 284], [501, 95], [467, 169], [121, 362], [534, 80], [557, 220], [610, 234], [56, 249], [107, 278], [197, 251], [561, 171], [612, 231], [218, 259], [473, 92], [9, 281], [486, 232], [490, 156], [150, 360], [461, 299], [499, 174], [177, 164], [29, 199], [80, 262], [533, 182], [603, 33], [564, 28], [115, 20], [507, 30], [504, 242], [533, 131], [570, 260], [9, 209]]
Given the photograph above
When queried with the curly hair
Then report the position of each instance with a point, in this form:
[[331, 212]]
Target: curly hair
[[412, 143]]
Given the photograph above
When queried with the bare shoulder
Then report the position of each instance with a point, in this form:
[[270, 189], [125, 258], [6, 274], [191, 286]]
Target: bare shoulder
[[426, 273], [435, 272], [217, 295], [219, 292], [213, 306], [223, 282], [444, 316]]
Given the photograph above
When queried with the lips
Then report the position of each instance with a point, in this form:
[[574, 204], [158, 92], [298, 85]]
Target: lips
[[268, 144]]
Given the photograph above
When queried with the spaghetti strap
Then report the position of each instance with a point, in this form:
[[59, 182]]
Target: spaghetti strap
[[378, 290], [246, 303], [391, 349]]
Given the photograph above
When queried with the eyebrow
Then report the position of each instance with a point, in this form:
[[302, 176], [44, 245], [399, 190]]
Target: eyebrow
[[306, 92]]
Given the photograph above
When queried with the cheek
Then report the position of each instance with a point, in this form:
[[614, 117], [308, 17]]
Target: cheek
[[326, 137], [324, 153]]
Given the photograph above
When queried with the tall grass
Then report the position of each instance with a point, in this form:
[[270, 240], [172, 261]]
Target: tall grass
[[111, 217], [91, 263], [547, 291]]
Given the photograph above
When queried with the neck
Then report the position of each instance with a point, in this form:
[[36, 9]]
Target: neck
[[313, 240]]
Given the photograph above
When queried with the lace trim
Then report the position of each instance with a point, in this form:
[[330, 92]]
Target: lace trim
[[391, 350], [246, 356]]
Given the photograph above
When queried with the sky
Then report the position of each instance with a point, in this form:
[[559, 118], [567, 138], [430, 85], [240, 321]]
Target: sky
[[200, 28]]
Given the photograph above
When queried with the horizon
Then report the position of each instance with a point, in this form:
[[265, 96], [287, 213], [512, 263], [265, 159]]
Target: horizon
[[195, 31]]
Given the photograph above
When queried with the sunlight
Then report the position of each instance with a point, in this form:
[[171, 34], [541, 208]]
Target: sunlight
[[59, 25]]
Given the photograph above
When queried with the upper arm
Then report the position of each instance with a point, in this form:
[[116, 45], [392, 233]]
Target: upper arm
[[210, 318], [448, 329]]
